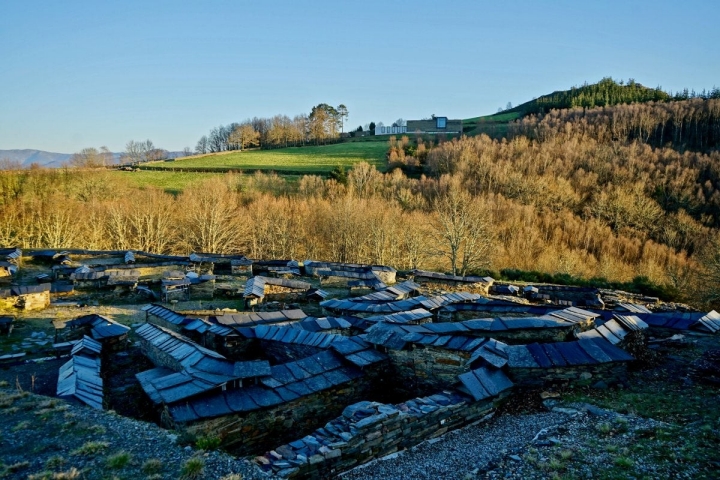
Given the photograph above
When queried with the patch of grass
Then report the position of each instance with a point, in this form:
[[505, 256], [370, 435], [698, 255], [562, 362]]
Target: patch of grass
[[91, 448], [118, 460], [298, 160], [208, 443], [232, 476], [604, 427], [14, 468], [54, 462], [152, 466], [193, 468], [169, 181], [624, 462], [24, 425]]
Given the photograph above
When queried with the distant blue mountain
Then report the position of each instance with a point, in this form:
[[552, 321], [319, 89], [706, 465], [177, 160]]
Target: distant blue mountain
[[49, 159], [28, 157]]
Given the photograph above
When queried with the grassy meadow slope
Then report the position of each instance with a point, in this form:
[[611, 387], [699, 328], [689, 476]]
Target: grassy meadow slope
[[294, 160]]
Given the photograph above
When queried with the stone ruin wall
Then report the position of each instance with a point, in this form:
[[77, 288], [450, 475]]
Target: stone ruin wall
[[348, 441], [255, 432], [422, 370], [610, 373]]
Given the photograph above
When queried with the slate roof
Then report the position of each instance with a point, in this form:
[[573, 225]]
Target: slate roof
[[12, 254], [87, 346], [100, 327], [317, 292], [201, 326], [709, 322], [374, 283], [484, 382], [311, 266], [452, 278], [287, 382], [591, 351], [314, 324], [166, 314], [390, 294], [253, 319], [409, 317], [16, 291], [632, 308], [80, 378], [615, 329], [432, 303], [202, 369], [500, 324], [574, 314], [295, 336], [255, 286], [674, 320], [506, 289]]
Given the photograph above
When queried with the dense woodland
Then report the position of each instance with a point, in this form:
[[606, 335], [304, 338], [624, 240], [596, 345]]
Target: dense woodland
[[610, 193], [606, 92]]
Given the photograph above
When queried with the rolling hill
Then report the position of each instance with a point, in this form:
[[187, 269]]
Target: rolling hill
[[604, 93]]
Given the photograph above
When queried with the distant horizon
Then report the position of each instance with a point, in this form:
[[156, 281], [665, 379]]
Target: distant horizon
[[82, 74]]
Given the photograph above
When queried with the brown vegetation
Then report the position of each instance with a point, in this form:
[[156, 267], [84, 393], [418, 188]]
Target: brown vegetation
[[564, 198]]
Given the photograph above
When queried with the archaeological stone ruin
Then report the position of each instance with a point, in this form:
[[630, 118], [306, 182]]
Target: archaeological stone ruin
[[321, 366]]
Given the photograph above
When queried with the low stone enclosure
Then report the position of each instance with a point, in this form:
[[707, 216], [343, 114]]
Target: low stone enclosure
[[355, 362]]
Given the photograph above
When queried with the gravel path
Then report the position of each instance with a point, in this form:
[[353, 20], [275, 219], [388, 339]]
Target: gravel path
[[463, 453]]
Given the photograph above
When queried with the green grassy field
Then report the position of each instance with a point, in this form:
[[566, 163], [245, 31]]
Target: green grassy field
[[171, 182], [497, 118], [298, 160]]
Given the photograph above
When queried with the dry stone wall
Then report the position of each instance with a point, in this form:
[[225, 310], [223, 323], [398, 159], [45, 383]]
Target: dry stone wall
[[368, 430], [251, 433]]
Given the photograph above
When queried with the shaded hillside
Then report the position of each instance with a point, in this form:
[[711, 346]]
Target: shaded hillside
[[604, 93]]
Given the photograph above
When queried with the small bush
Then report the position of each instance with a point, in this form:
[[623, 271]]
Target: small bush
[[624, 462], [24, 425], [152, 465], [54, 462], [118, 460], [208, 443], [603, 428], [91, 448], [193, 468]]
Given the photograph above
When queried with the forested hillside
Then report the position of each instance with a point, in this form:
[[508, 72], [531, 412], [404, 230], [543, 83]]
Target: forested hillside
[[611, 193]]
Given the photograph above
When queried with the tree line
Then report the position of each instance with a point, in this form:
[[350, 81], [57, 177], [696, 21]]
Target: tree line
[[605, 93], [324, 124]]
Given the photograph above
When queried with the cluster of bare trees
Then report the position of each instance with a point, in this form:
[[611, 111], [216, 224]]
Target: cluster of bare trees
[[439, 223], [323, 124], [140, 152], [691, 124]]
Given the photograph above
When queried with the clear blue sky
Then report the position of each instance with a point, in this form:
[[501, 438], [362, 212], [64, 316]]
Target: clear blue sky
[[76, 74]]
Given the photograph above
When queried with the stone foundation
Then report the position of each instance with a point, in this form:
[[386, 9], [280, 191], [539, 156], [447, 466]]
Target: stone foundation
[[610, 373], [252, 433], [368, 430]]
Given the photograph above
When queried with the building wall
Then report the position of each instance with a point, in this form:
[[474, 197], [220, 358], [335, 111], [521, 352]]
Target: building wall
[[163, 323], [583, 374], [429, 126], [390, 130], [420, 370], [32, 301], [253, 433]]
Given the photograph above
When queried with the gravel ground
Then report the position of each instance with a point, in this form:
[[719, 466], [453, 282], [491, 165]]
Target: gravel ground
[[41, 437], [570, 441], [462, 453]]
